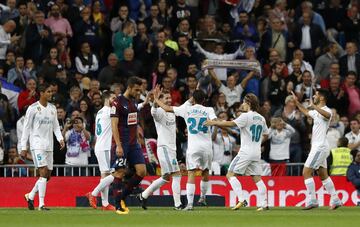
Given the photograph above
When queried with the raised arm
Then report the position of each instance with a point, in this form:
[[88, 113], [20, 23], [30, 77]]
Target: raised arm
[[214, 77], [220, 123], [248, 77], [324, 113], [159, 103], [300, 106]]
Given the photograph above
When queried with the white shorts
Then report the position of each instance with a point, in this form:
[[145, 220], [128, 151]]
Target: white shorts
[[317, 157], [167, 159], [198, 160], [103, 158], [43, 158], [246, 167]]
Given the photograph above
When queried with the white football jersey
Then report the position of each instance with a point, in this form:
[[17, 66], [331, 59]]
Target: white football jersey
[[165, 123], [199, 135], [39, 125], [103, 129], [252, 126], [320, 127]]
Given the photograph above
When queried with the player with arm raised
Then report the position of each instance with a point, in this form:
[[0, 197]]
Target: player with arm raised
[[39, 126], [316, 160], [199, 152], [247, 162], [165, 123], [103, 152]]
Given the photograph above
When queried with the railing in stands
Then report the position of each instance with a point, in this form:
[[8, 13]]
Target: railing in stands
[[293, 169]]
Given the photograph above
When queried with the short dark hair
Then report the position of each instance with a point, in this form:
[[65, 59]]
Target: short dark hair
[[354, 119], [351, 73], [163, 93], [353, 153], [79, 118], [43, 87], [134, 80], [199, 96], [106, 95], [253, 101], [343, 142], [324, 93]]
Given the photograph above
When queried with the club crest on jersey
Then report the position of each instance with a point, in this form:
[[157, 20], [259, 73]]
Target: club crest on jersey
[[113, 110], [39, 109]]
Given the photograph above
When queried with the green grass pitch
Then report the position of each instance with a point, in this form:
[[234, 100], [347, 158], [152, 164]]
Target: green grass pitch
[[289, 217]]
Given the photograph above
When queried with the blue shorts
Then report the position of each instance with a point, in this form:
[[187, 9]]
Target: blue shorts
[[132, 153]]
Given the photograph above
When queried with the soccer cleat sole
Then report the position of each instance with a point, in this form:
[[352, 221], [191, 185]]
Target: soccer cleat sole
[[239, 205], [121, 212], [123, 206]]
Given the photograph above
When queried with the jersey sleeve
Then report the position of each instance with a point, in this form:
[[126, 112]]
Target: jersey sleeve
[[28, 121], [212, 114], [313, 113], [241, 121], [157, 113], [115, 109], [289, 130], [181, 110], [265, 129]]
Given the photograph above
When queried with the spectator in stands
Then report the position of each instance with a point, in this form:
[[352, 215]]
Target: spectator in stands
[[60, 27], [117, 88], [75, 96], [18, 75], [108, 74], [28, 96], [123, 39], [23, 20], [94, 88], [340, 158], [183, 29], [334, 71], [9, 12], [184, 56], [9, 62], [165, 11], [78, 148], [296, 76], [180, 10], [117, 22], [96, 103], [351, 60], [30, 68], [64, 54], [167, 84], [141, 42], [353, 92], [298, 54], [15, 159], [50, 65], [335, 131], [87, 114], [159, 73], [221, 104], [354, 135], [154, 22], [73, 13], [86, 62], [191, 86], [323, 63], [274, 57], [303, 90], [337, 98], [351, 24], [316, 18], [39, 39], [6, 39], [130, 66], [245, 30], [353, 172]]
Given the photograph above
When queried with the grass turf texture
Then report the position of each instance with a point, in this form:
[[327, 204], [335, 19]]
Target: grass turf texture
[[290, 217]]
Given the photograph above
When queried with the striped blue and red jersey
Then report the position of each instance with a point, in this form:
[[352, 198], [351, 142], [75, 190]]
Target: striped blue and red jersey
[[127, 112]]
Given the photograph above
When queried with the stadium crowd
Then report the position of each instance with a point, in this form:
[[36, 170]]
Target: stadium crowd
[[83, 47]]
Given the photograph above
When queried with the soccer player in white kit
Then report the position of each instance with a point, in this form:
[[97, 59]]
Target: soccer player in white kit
[[103, 153], [165, 123], [39, 125], [247, 162], [316, 160], [199, 152]]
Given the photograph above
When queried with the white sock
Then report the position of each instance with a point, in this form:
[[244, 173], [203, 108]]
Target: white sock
[[156, 184], [204, 186], [34, 190], [236, 186], [310, 187], [105, 182], [105, 196], [190, 191], [42, 190], [176, 190], [262, 193], [330, 188]]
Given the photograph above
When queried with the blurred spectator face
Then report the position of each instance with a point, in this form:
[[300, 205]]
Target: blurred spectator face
[[141, 28], [223, 116], [144, 85], [278, 69], [350, 80], [154, 11], [210, 24], [61, 114], [306, 7], [75, 114], [39, 18], [226, 28], [243, 18], [298, 54], [354, 126], [96, 100], [219, 49], [221, 98], [183, 42], [112, 60], [351, 48], [55, 11], [250, 53], [334, 49], [277, 25], [10, 57], [12, 153], [184, 26], [161, 67], [54, 88], [22, 10], [307, 18], [192, 69], [353, 12], [123, 12], [60, 45], [78, 125], [85, 14], [53, 53], [334, 69], [29, 64], [334, 83], [85, 48], [266, 106], [231, 82], [296, 64], [167, 83], [11, 4], [94, 86], [306, 78], [162, 5], [181, 2], [290, 86], [191, 82], [83, 106], [161, 37], [345, 121], [20, 62], [274, 56], [291, 104], [31, 85], [172, 74], [96, 7], [75, 93], [128, 54]]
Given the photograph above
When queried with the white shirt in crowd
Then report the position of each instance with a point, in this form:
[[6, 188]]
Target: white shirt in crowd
[[353, 138], [320, 127], [4, 42], [165, 123], [280, 143], [306, 39], [81, 157], [232, 95], [252, 126], [39, 125], [103, 129], [19, 131], [220, 145]]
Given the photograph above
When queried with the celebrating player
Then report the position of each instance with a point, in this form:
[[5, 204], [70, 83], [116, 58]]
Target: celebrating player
[[102, 152], [39, 125], [124, 123], [199, 152], [321, 115], [247, 162], [165, 123]]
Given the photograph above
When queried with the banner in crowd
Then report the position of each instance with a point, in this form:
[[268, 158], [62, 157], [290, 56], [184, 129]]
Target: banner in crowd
[[252, 65], [282, 191]]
